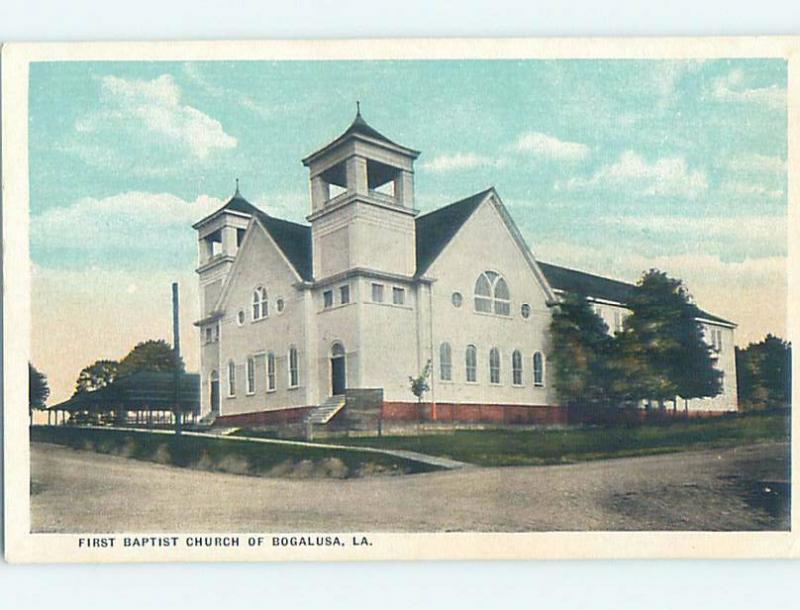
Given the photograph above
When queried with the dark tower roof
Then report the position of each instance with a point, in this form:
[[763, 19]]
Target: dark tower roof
[[359, 127]]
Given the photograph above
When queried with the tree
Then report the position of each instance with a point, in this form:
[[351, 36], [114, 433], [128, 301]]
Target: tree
[[154, 356], [419, 384], [763, 374], [665, 334], [580, 354], [38, 390], [97, 375]]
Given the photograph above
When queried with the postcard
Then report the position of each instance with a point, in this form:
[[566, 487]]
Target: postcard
[[399, 299]]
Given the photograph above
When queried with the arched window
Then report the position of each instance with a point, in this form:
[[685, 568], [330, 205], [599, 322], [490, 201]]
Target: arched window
[[231, 378], [337, 350], [251, 375], [294, 370], [538, 370], [494, 365], [472, 363], [445, 362], [492, 294], [260, 303], [270, 372], [516, 367]]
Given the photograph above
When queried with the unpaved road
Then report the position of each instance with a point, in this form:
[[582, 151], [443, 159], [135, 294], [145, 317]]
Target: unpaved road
[[732, 489]]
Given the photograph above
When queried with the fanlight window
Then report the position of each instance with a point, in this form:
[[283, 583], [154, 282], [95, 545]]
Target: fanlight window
[[445, 362], [492, 294], [260, 303]]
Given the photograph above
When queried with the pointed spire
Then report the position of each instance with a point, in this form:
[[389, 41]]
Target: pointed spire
[[237, 193]]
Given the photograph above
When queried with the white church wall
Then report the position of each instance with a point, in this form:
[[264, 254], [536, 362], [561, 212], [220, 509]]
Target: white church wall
[[262, 264], [482, 244]]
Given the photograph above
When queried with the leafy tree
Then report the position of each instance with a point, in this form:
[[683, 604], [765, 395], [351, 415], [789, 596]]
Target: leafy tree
[[580, 352], [419, 384], [97, 375], [663, 326], [38, 390], [154, 356], [763, 374]]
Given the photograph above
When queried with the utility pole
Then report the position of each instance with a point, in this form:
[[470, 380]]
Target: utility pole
[[176, 353]]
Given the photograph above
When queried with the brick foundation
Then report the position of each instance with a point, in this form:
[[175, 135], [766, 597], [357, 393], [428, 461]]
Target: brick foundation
[[473, 413], [263, 418]]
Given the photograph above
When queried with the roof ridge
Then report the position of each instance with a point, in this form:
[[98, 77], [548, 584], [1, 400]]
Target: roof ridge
[[455, 203]]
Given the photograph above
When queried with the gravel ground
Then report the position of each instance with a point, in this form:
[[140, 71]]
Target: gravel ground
[[731, 489]]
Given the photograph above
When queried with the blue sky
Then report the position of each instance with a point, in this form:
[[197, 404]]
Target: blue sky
[[611, 166]]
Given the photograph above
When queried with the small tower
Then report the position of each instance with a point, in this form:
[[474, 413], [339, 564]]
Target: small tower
[[219, 237], [362, 203]]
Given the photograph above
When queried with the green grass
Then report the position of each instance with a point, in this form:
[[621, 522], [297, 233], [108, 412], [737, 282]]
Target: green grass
[[227, 455], [557, 446]]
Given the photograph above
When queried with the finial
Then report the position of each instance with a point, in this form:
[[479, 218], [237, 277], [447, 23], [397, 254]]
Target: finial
[[236, 194], [358, 108]]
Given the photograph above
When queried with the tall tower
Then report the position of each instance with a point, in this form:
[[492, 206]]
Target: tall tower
[[219, 237], [362, 204]]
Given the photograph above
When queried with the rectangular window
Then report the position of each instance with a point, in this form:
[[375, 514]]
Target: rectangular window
[[216, 332], [618, 321], [270, 372], [294, 372], [251, 375], [719, 341], [344, 294], [231, 379], [494, 366], [208, 335], [472, 364], [377, 293], [327, 299], [399, 296], [483, 304]]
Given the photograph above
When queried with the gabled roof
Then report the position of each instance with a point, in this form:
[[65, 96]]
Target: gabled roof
[[359, 127], [587, 284], [436, 229], [292, 238]]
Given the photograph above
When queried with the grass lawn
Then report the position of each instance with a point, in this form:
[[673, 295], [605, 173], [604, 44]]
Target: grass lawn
[[536, 447]]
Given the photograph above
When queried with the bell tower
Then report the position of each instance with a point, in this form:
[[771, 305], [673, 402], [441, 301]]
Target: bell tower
[[362, 203]]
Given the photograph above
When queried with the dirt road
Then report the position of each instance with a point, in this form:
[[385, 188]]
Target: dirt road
[[731, 489]]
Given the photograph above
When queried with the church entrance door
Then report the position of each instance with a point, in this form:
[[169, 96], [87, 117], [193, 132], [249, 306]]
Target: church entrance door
[[214, 392], [338, 370]]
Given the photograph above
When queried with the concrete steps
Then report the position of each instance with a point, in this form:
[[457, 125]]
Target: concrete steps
[[325, 412]]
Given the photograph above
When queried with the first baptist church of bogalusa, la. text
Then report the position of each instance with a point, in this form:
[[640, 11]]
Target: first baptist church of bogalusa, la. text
[[321, 325]]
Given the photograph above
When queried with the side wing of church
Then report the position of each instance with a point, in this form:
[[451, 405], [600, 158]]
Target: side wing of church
[[323, 324]]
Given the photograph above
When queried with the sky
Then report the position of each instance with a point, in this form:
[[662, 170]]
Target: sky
[[608, 166]]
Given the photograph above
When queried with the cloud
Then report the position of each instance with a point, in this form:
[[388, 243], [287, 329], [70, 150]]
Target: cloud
[[459, 161], [155, 107], [124, 228], [733, 88], [668, 176], [755, 163], [750, 190], [549, 147]]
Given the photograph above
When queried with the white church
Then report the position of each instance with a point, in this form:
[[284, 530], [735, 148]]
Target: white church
[[323, 323]]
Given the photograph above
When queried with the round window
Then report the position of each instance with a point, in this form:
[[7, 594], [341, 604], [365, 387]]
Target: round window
[[526, 310], [240, 317], [280, 305], [457, 299]]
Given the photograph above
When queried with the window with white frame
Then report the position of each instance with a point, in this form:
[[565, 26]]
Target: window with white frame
[[538, 370], [251, 375], [445, 362], [494, 365], [492, 294], [294, 368], [516, 367], [344, 294], [270, 372], [231, 378], [260, 303], [471, 359], [377, 293], [208, 334], [398, 296]]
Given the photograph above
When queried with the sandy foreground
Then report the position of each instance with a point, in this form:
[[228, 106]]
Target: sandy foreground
[[744, 488]]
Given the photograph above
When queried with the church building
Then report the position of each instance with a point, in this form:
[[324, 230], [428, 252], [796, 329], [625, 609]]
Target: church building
[[322, 324]]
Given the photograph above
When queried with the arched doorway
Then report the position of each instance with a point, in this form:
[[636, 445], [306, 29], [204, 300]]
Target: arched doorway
[[214, 391], [338, 370]]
